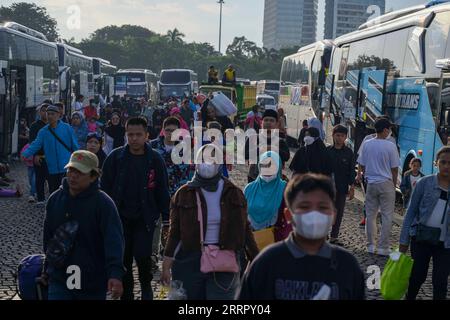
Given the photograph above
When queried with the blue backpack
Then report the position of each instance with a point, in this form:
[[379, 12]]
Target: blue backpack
[[29, 272]]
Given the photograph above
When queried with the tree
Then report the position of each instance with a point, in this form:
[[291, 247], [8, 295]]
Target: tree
[[115, 33], [175, 36], [32, 16]]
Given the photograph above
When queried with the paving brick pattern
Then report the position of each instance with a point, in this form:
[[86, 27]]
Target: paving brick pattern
[[21, 235]]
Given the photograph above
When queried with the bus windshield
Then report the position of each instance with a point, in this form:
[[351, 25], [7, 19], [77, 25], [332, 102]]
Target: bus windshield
[[266, 101], [175, 77], [272, 86], [174, 91], [136, 90]]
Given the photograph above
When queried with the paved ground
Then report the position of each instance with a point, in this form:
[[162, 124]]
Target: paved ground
[[21, 235]]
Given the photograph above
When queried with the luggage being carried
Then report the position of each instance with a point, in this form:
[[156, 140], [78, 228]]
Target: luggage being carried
[[223, 105], [30, 284]]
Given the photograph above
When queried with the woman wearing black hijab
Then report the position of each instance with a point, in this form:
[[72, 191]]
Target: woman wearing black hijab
[[313, 157], [94, 144], [114, 134]]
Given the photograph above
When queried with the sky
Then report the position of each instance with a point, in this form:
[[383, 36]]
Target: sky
[[197, 19]]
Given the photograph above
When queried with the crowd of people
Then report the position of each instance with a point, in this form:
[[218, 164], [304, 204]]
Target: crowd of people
[[119, 197]]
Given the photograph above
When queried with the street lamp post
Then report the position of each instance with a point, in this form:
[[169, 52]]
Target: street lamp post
[[221, 2]]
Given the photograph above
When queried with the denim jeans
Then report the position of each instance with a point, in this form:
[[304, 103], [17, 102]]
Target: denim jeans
[[59, 291], [32, 181]]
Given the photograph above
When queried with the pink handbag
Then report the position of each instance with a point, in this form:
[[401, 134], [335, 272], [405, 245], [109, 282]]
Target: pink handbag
[[213, 259]]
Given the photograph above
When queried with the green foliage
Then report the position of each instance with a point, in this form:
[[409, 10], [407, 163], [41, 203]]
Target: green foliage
[[32, 16], [137, 47]]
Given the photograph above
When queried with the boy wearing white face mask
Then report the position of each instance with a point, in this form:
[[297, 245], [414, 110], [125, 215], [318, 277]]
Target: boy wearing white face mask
[[304, 265]]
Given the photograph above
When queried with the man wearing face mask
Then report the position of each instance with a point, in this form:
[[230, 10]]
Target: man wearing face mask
[[255, 146], [379, 161], [305, 266], [313, 157]]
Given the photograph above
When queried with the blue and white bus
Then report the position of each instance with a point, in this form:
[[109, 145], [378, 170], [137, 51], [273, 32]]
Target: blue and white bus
[[396, 65]]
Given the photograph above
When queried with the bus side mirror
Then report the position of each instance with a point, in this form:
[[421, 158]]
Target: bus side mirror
[[416, 47], [2, 85], [63, 81]]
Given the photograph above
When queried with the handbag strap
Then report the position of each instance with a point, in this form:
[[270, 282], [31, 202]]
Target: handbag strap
[[200, 217], [60, 140]]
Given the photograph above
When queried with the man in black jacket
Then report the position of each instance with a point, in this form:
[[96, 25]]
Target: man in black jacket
[[40, 166], [343, 172], [254, 145], [94, 264], [135, 176]]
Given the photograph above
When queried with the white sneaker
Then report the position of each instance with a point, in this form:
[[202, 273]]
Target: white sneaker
[[31, 199], [371, 249], [383, 252]]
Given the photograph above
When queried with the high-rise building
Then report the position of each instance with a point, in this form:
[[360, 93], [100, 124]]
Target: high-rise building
[[344, 16], [289, 23]]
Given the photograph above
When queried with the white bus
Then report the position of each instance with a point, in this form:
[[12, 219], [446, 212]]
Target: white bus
[[303, 76], [28, 76], [177, 83], [77, 75], [137, 83], [269, 87], [104, 73]]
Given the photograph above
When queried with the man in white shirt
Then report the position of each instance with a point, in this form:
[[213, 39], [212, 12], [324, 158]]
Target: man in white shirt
[[379, 161]]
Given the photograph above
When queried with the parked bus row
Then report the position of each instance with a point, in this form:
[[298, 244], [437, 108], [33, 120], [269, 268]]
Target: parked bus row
[[396, 65], [33, 70]]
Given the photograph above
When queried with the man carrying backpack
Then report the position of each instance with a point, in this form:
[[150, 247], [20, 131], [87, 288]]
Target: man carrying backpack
[[135, 176], [83, 236]]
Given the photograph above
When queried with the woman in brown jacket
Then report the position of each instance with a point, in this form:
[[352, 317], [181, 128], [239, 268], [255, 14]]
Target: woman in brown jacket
[[225, 224]]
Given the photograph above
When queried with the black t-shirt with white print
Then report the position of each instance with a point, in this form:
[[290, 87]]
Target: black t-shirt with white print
[[283, 272]]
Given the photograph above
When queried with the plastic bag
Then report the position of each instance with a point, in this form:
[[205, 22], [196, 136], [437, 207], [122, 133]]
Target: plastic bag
[[176, 291], [395, 277]]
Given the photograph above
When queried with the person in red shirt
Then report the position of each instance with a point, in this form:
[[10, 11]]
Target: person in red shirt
[[90, 111]]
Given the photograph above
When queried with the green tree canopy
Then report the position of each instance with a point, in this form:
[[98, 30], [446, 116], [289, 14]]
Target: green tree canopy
[[32, 16]]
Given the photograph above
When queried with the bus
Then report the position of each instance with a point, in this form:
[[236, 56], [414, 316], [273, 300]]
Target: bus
[[396, 65], [104, 73], [302, 79], [76, 75], [269, 87], [28, 76], [177, 83], [137, 83]]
